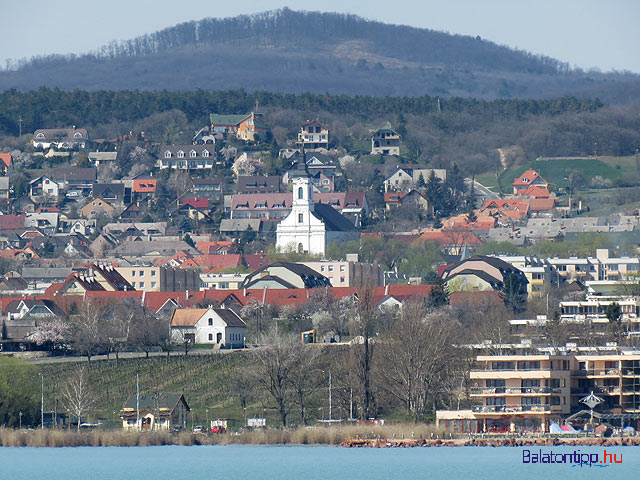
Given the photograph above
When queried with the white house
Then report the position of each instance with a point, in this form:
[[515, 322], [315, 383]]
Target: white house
[[310, 226], [214, 326]]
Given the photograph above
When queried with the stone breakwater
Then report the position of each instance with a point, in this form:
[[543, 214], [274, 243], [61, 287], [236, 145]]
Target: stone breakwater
[[492, 442]]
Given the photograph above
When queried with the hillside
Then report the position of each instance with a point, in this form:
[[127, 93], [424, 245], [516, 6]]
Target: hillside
[[287, 51]]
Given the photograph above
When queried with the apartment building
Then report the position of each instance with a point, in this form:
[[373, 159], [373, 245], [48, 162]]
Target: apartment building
[[154, 278], [540, 274], [520, 393], [602, 267], [350, 272], [221, 281]]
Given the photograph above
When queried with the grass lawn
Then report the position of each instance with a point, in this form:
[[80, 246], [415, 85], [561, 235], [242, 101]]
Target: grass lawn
[[556, 171]]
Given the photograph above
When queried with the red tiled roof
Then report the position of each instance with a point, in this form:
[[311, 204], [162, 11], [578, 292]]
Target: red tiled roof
[[526, 178], [534, 191], [255, 261], [450, 238], [210, 248], [6, 158], [144, 185], [541, 204], [219, 261], [11, 222], [195, 202]]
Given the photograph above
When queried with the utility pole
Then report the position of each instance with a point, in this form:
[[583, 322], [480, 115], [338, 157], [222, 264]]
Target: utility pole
[[20, 125], [138, 401], [330, 395], [42, 400]]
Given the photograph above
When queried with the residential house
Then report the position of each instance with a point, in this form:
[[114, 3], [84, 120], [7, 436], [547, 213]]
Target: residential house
[[114, 193], [155, 411], [481, 272], [5, 190], [210, 187], [247, 127], [319, 166], [204, 136], [126, 229], [220, 327], [412, 198], [259, 184], [186, 157], [313, 135], [25, 204], [285, 275], [385, 142], [97, 207], [103, 158], [60, 138], [45, 222], [221, 281], [24, 316], [151, 249], [5, 162], [96, 278], [41, 278], [143, 188], [74, 178], [528, 179], [406, 178], [43, 188]]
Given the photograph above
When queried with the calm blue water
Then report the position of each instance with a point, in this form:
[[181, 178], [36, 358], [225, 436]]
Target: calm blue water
[[300, 462]]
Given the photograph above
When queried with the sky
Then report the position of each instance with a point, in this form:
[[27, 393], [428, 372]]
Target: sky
[[585, 33]]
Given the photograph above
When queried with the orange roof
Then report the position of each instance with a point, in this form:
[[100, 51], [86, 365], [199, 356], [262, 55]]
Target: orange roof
[[187, 317], [6, 158], [449, 237], [144, 186], [209, 248], [534, 191], [541, 204], [526, 178]]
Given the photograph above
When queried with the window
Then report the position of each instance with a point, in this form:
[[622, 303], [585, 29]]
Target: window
[[153, 284], [40, 135], [529, 365], [503, 365], [554, 400], [193, 154], [205, 153], [496, 401], [342, 280], [528, 386], [300, 193], [300, 218], [133, 273], [142, 273], [153, 273], [211, 337], [141, 284], [77, 135], [211, 321], [342, 268], [167, 154], [499, 385], [331, 268]]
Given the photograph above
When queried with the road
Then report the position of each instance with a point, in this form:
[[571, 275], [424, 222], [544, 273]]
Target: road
[[481, 191], [124, 355]]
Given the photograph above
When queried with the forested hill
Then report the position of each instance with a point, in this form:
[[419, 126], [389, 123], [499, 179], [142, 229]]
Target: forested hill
[[288, 51]]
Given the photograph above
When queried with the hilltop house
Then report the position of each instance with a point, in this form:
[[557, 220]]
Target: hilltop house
[[247, 127], [385, 142], [529, 179], [60, 138], [406, 178], [313, 134], [186, 157]]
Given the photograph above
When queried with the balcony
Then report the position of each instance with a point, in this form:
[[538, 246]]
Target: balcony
[[598, 372], [609, 390], [516, 408], [480, 391]]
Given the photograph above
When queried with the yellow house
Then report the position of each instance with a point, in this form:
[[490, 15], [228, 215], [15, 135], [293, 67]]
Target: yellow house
[[97, 207], [155, 411]]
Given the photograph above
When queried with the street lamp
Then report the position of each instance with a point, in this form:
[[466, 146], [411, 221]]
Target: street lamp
[[591, 401]]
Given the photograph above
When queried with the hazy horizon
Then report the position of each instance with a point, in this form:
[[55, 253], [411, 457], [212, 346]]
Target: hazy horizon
[[585, 33]]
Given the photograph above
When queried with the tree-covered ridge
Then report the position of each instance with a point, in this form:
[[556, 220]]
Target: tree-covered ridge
[[286, 28], [55, 107]]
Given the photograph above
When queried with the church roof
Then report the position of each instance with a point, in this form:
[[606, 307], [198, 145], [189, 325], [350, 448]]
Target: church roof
[[333, 220]]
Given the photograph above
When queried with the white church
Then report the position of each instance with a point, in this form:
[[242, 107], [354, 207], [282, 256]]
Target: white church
[[311, 227]]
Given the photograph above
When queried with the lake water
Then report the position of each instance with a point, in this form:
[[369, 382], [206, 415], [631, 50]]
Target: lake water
[[306, 462]]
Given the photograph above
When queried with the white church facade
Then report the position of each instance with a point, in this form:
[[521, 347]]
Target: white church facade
[[311, 227]]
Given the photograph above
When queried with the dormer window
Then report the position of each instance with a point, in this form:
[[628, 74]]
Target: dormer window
[[205, 153], [180, 154], [193, 154], [40, 135], [167, 154], [77, 135]]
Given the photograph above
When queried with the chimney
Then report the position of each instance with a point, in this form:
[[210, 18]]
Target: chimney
[[144, 294], [386, 290]]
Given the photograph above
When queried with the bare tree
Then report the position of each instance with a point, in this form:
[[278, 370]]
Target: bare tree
[[277, 364], [88, 329], [147, 331], [417, 360], [306, 380], [78, 394], [362, 328], [122, 319]]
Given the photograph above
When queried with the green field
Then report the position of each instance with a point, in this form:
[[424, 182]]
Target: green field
[[556, 170]]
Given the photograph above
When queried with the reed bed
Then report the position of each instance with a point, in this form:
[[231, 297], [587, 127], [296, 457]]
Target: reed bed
[[317, 435]]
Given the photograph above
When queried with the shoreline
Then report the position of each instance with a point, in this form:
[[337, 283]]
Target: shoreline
[[344, 438]]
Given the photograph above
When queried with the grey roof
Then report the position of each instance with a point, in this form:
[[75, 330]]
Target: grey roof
[[100, 189], [46, 273], [239, 224], [333, 220], [74, 174], [103, 156], [258, 184], [148, 401], [144, 247], [230, 317], [310, 277]]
